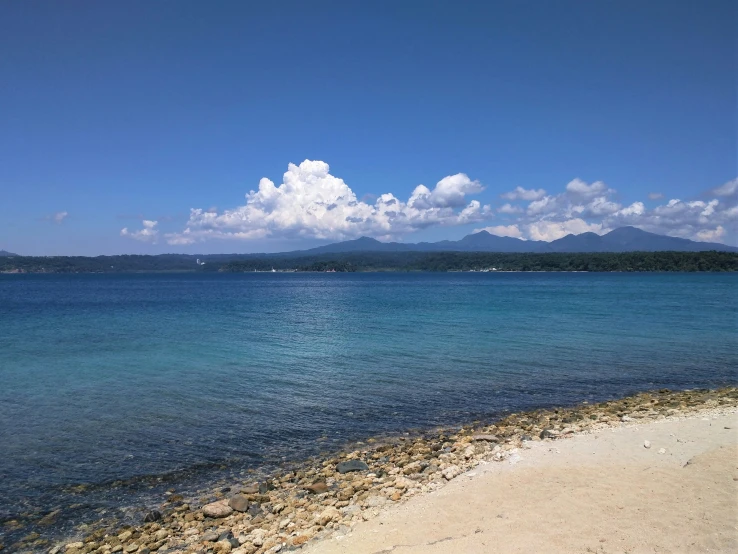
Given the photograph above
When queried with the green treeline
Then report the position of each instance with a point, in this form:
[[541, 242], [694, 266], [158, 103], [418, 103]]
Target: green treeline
[[380, 261], [468, 261]]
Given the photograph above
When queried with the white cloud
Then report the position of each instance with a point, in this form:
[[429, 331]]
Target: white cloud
[[149, 233], [552, 230], [312, 203], [57, 218], [585, 207], [545, 205], [728, 189], [503, 231], [509, 209], [580, 188], [524, 194], [655, 196], [711, 235]]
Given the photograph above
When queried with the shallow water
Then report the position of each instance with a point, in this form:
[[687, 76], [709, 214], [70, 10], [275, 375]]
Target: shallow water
[[186, 377]]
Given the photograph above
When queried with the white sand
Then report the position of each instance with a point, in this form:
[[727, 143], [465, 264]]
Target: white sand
[[602, 492]]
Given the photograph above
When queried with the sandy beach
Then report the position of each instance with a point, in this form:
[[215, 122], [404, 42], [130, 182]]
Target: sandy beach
[[602, 492]]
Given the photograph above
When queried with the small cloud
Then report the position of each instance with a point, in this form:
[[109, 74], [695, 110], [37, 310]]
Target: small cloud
[[149, 233], [655, 196], [728, 189], [524, 194], [510, 209], [580, 188], [59, 217], [503, 231]]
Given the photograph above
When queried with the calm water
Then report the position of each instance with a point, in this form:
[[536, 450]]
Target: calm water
[[106, 378]]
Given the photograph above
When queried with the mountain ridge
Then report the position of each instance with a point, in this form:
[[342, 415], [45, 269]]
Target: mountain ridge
[[622, 239]]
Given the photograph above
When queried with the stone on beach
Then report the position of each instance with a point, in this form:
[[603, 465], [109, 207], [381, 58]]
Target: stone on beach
[[646, 444], [485, 438], [317, 488], [217, 509], [450, 472], [239, 503], [351, 465], [152, 516]]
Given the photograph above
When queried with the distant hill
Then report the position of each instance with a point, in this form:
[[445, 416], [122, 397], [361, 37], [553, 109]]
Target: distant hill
[[6, 253], [624, 239]]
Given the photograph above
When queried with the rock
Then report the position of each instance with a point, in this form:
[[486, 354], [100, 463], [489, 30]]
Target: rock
[[254, 510], [328, 515], [549, 434], [351, 465], [217, 509], [299, 540], [412, 467], [396, 497], [124, 536], [222, 547], [131, 548], [486, 438], [152, 516], [246, 548], [450, 472], [74, 545], [161, 534], [317, 488], [50, 518], [662, 450], [253, 488], [646, 444], [211, 536], [239, 503]]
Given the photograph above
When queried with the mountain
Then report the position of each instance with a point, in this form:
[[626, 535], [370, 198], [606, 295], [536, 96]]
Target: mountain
[[624, 239], [632, 239], [6, 253]]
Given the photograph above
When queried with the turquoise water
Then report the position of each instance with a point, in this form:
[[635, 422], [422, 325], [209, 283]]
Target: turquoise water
[[107, 378]]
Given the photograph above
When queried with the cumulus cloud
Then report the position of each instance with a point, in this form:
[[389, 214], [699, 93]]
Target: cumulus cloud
[[583, 207], [580, 188], [552, 230], [312, 203], [503, 231], [509, 209], [524, 194], [655, 196], [149, 232]]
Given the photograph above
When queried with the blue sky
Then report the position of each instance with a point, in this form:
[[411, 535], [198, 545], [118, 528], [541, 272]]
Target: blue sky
[[118, 119]]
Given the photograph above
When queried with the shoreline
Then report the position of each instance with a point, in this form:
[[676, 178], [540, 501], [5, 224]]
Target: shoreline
[[321, 498]]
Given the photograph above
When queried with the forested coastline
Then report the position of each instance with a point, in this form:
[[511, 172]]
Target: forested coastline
[[379, 261]]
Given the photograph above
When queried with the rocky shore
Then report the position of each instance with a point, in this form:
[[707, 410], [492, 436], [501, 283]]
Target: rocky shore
[[323, 498]]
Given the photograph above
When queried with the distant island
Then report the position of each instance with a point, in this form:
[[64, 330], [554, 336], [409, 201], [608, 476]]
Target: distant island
[[624, 249]]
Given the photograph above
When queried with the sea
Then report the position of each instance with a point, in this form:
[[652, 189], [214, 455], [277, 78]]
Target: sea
[[116, 388]]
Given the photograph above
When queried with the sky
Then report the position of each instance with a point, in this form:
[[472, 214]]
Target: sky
[[203, 127]]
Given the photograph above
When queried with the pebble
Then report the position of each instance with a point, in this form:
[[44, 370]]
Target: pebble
[[152, 516], [239, 503], [217, 509], [317, 488], [646, 444], [451, 472], [351, 465], [662, 450]]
